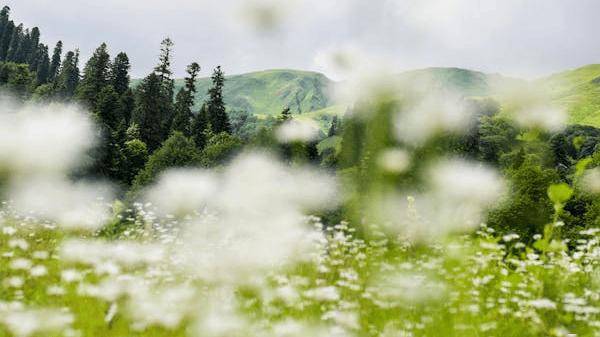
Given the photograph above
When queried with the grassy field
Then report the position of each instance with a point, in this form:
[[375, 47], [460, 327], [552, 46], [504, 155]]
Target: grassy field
[[480, 285]]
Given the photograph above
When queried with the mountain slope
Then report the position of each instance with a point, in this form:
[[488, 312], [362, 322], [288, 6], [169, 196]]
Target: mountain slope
[[577, 90], [269, 92], [266, 93]]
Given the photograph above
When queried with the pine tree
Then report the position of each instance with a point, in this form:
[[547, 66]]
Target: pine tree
[[163, 69], [31, 52], [127, 100], [108, 108], [55, 62], [15, 43], [185, 101], [201, 127], [6, 39], [167, 85], [120, 73], [150, 112], [217, 114], [68, 78], [4, 29], [43, 65], [96, 75]]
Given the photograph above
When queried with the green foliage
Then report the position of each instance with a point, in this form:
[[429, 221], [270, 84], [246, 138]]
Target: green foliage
[[177, 151], [219, 149], [135, 156]]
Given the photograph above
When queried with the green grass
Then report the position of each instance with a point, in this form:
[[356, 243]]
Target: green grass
[[578, 91]]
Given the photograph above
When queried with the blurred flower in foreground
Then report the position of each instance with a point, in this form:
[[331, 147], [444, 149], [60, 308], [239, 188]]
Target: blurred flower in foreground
[[44, 139], [182, 191], [459, 194], [259, 218], [394, 160], [78, 205], [297, 131], [529, 106], [26, 322], [438, 111], [591, 180]]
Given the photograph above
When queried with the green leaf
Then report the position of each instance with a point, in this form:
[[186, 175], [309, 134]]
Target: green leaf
[[560, 193]]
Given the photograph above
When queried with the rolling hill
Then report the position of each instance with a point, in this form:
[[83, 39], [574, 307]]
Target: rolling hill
[[266, 93], [577, 90]]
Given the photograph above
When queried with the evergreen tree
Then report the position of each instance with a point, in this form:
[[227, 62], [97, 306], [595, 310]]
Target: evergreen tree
[[55, 62], [15, 43], [127, 100], [6, 39], [31, 51], [68, 78], [150, 112], [163, 69], [164, 73], [200, 127], [96, 75], [120, 73], [177, 151], [43, 65], [217, 114], [185, 101], [4, 30], [108, 109]]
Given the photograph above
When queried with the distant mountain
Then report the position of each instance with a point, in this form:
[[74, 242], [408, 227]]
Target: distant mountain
[[307, 93]]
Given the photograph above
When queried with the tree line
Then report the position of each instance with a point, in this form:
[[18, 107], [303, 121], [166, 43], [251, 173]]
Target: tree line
[[142, 130]]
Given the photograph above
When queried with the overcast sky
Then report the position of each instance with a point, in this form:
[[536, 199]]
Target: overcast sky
[[526, 38]]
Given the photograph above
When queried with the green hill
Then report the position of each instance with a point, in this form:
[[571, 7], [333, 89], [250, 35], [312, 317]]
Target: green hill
[[267, 92], [578, 90]]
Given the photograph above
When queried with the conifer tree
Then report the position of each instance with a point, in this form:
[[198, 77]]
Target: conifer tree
[[55, 62], [127, 102], [6, 39], [31, 51], [68, 78], [200, 128], [120, 73], [4, 27], [165, 75], [96, 75], [217, 114], [108, 108], [150, 111], [43, 65], [15, 43], [185, 101]]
